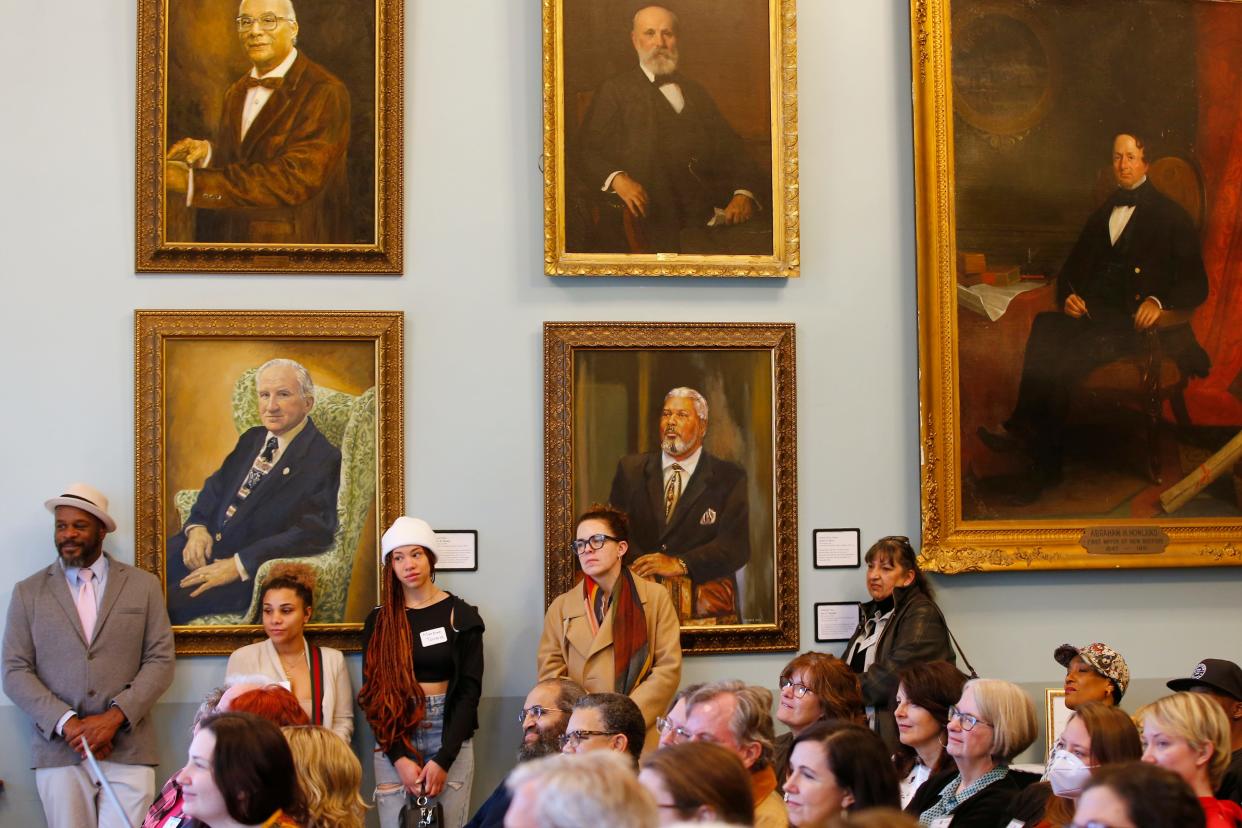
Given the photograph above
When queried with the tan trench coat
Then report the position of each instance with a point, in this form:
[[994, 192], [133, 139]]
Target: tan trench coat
[[568, 650]]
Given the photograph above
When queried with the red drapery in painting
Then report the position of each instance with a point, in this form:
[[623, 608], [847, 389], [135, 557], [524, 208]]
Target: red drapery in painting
[[1218, 322]]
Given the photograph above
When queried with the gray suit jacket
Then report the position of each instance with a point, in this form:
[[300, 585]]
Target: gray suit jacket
[[49, 669]]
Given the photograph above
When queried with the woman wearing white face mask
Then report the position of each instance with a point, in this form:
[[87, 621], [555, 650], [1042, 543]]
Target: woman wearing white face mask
[[1096, 735]]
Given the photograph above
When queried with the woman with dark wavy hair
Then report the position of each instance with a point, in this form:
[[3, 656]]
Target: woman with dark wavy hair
[[901, 625], [422, 675], [814, 687], [1138, 795], [925, 692], [240, 773], [837, 768]]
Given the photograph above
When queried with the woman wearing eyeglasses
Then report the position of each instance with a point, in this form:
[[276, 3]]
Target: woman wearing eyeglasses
[[613, 632], [899, 626], [422, 675], [991, 723], [814, 687]]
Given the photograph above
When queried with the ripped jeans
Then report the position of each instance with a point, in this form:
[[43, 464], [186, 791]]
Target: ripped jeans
[[427, 736]]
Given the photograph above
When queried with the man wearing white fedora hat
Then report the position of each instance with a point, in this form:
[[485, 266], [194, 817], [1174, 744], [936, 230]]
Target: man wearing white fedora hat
[[88, 650]]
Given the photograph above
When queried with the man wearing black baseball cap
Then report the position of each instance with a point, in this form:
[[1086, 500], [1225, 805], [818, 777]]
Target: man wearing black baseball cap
[[1222, 680]]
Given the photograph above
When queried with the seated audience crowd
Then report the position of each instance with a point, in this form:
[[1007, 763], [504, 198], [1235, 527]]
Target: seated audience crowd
[[890, 736]]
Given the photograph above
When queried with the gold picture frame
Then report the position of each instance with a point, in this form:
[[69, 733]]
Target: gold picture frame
[[603, 386], [1056, 714], [1011, 173], [195, 382], [315, 186], [587, 56]]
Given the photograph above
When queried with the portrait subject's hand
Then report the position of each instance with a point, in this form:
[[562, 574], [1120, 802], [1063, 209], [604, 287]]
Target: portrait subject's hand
[[214, 574], [657, 563], [631, 192], [1148, 314], [432, 778], [1075, 306], [97, 731], [176, 177], [190, 151], [409, 771], [740, 209], [197, 549]]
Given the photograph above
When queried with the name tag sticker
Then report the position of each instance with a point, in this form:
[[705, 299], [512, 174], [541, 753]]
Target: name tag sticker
[[1015, 823], [436, 636], [173, 822], [942, 822]]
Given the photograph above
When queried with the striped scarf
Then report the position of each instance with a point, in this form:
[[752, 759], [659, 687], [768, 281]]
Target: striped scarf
[[631, 650]]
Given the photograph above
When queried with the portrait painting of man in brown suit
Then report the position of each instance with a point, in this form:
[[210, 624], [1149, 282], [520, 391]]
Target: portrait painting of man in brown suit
[[277, 153]]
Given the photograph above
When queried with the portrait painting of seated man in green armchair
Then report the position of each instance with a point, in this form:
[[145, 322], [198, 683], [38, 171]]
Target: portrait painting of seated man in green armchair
[[271, 456]]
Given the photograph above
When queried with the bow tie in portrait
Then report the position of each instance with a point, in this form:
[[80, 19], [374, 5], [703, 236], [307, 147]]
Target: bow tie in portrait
[[1125, 198], [266, 83], [662, 80]]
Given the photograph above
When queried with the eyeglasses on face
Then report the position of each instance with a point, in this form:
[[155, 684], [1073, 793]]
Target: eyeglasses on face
[[596, 542], [267, 22], [676, 732], [538, 711], [575, 737], [799, 689], [966, 720]]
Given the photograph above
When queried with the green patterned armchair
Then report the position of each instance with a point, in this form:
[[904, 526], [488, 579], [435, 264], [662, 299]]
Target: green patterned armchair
[[348, 422]]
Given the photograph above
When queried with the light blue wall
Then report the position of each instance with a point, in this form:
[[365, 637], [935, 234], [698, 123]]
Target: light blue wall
[[475, 296]]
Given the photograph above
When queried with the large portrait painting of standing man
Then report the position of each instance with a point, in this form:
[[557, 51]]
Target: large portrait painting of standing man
[[266, 442], [670, 138], [1080, 328], [269, 135], [688, 429]]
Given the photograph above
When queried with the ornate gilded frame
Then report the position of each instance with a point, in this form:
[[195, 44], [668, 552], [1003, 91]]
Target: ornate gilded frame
[[950, 543], [562, 342], [783, 90], [154, 253], [155, 330]]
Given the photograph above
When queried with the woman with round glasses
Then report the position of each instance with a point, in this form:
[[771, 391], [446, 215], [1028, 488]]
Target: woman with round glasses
[[925, 692], [899, 626], [613, 632], [422, 676], [814, 687], [991, 723]]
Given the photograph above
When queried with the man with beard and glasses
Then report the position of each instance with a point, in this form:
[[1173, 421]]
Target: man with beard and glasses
[[689, 514], [544, 715], [654, 144], [87, 652]]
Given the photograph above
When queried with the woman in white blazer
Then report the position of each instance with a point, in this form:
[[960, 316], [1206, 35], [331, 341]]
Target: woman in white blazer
[[316, 675]]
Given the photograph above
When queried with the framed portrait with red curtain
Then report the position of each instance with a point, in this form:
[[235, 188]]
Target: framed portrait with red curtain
[[1080, 318]]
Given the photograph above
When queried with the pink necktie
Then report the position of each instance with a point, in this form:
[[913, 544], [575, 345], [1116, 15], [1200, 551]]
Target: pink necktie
[[86, 602]]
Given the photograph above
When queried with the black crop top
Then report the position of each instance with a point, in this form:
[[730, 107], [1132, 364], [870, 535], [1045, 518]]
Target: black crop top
[[433, 661]]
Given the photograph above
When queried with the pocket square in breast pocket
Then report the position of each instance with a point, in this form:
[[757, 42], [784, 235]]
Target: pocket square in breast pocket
[[709, 517]]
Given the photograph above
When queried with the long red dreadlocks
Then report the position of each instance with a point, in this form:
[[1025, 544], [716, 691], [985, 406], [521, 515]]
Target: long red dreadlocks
[[391, 698]]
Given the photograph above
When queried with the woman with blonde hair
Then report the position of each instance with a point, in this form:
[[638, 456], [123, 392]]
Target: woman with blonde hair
[[1188, 733], [330, 775], [991, 723]]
